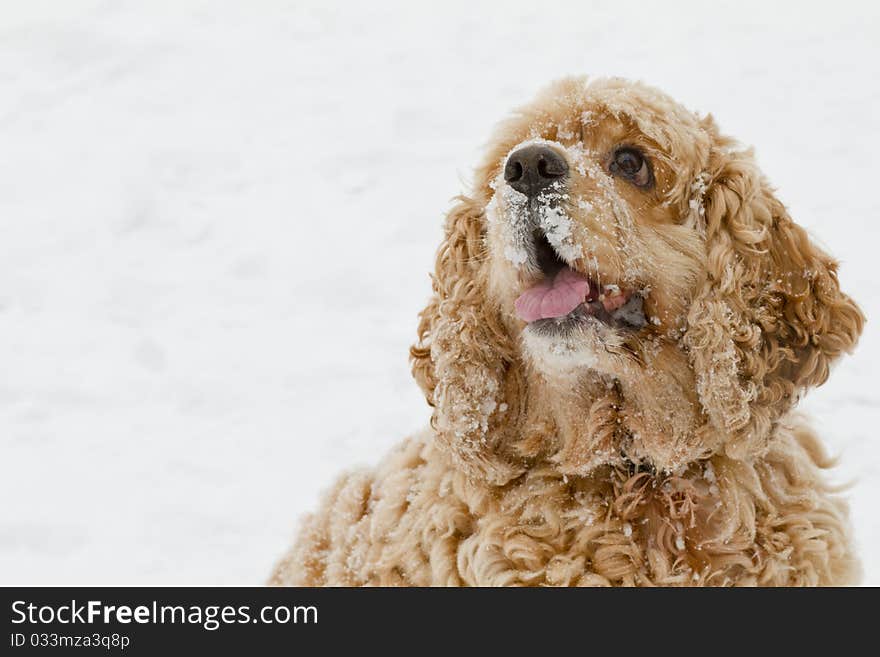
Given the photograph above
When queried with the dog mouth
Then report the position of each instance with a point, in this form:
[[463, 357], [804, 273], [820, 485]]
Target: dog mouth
[[565, 298]]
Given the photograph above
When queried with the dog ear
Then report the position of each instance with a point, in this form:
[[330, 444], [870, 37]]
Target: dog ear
[[770, 318], [464, 360]]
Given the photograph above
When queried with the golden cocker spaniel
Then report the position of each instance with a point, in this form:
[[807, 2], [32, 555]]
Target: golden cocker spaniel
[[624, 317]]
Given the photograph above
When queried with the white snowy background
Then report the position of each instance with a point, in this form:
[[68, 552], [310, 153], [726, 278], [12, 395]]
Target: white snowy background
[[218, 221]]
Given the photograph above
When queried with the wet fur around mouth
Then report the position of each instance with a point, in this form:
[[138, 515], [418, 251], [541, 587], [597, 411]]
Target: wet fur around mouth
[[629, 317]]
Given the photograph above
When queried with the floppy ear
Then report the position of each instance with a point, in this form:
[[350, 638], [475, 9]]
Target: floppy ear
[[770, 318], [465, 360]]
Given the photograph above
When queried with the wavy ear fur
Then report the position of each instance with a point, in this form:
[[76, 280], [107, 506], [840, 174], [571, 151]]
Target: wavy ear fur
[[770, 318], [464, 360]]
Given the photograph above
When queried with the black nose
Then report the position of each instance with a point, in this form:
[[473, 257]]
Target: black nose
[[532, 168]]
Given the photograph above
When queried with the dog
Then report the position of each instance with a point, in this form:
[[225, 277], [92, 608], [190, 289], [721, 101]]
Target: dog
[[623, 320]]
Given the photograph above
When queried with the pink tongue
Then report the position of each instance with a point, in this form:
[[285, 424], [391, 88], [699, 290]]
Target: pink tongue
[[553, 298]]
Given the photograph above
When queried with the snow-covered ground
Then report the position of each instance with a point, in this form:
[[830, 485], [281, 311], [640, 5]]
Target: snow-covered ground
[[218, 219]]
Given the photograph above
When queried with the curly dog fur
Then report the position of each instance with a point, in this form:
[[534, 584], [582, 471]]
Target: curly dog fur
[[668, 453]]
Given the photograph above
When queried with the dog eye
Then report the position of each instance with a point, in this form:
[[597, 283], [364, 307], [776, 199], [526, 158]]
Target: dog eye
[[629, 163]]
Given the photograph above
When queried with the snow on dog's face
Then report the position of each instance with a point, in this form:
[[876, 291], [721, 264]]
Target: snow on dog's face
[[622, 284], [593, 224]]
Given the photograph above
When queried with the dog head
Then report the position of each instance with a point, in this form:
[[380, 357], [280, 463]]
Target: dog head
[[621, 285]]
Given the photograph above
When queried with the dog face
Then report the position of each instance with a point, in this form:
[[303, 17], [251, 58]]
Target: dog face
[[621, 285], [588, 199]]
